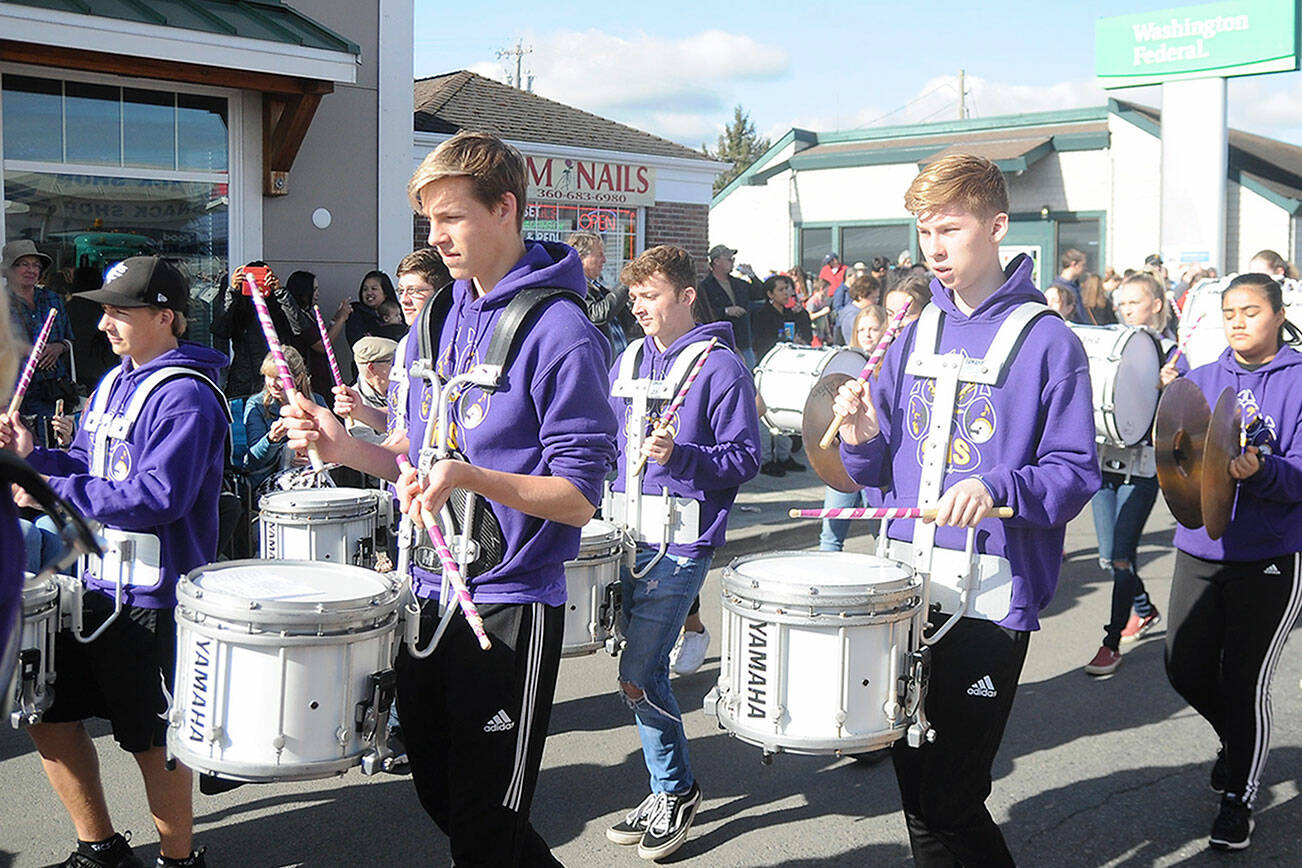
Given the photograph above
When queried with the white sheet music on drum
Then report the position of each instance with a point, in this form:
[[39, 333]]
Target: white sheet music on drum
[[269, 583]]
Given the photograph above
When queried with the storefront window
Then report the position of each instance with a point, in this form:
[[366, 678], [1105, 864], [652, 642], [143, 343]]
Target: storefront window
[[616, 226], [814, 245], [862, 243], [1084, 236]]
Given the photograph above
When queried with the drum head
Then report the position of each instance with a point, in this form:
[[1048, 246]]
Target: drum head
[[293, 583], [598, 532], [319, 501], [1137, 385], [848, 580], [37, 592]]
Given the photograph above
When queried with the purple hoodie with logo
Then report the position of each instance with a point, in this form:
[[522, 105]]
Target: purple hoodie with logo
[[1029, 438], [549, 418], [1267, 517], [164, 479], [716, 433]]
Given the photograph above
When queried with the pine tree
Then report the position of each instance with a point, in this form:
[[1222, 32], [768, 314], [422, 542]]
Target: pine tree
[[739, 145]]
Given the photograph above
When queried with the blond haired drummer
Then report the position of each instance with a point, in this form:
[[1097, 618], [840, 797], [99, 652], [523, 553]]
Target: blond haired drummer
[[147, 464], [953, 422]]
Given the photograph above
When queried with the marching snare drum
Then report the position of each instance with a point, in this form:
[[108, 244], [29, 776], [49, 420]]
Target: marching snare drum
[[814, 645], [787, 374], [320, 524], [592, 589], [29, 689], [1125, 380], [282, 668]]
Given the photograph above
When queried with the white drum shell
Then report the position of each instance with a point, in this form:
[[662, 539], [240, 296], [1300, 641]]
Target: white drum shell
[[1202, 345], [810, 662], [787, 374], [1125, 380], [267, 686], [318, 524], [40, 626], [586, 579]]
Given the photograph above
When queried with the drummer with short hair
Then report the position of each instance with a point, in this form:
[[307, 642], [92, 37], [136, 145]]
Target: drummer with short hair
[[1122, 505], [1018, 431], [701, 453], [154, 484]]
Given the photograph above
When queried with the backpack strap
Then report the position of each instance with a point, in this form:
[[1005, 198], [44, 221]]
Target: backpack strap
[[511, 326], [429, 322], [988, 370]]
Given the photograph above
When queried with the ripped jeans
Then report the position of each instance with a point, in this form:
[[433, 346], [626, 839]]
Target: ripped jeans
[[652, 613]]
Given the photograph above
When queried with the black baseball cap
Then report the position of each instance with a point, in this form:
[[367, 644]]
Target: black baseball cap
[[143, 281]]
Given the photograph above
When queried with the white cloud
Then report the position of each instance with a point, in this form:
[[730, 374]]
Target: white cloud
[[677, 88]]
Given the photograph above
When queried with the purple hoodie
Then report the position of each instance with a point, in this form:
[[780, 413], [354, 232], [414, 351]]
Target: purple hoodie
[[1267, 517], [716, 440], [1029, 439], [165, 478], [548, 419]]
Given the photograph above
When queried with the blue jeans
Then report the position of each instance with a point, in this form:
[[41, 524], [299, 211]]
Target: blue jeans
[[41, 542], [835, 530], [1120, 510], [653, 610]]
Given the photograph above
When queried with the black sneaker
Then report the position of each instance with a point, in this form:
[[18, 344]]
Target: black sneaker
[[667, 828], [1220, 773], [773, 468], [630, 829], [113, 853], [791, 464], [195, 860], [1232, 829]]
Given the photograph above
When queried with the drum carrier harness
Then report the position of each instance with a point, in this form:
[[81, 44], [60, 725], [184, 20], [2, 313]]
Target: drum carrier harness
[[653, 521], [476, 540], [130, 558]]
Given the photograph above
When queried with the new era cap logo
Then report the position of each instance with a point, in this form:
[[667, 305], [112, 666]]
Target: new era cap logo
[[983, 687], [500, 722], [161, 297], [1271, 570]]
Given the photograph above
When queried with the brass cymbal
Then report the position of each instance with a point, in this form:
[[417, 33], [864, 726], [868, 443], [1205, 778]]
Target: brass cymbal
[[1221, 447], [1179, 433], [818, 414]]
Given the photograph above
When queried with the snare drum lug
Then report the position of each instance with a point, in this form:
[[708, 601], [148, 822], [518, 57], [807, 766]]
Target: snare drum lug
[[766, 758], [215, 734], [341, 736]]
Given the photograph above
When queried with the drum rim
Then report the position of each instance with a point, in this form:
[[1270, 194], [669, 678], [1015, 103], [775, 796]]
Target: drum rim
[[229, 607], [365, 499]]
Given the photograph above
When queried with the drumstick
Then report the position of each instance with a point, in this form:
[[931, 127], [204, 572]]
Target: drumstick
[[468, 607], [1179, 350], [897, 323], [329, 350], [30, 367], [278, 355], [886, 512], [680, 397]]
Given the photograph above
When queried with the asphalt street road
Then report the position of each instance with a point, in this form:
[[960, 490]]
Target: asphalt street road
[[1091, 773]]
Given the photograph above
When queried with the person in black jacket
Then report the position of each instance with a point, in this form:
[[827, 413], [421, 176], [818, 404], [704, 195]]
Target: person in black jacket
[[771, 324], [237, 322], [730, 296], [604, 305]]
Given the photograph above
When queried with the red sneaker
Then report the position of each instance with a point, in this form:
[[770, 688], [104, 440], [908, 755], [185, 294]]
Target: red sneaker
[[1105, 662], [1137, 626]]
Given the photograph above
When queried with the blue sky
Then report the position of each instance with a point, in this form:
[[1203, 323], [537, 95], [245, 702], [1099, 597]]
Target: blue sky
[[676, 69]]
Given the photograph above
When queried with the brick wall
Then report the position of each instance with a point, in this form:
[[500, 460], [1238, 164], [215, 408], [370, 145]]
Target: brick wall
[[419, 232], [683, 225]]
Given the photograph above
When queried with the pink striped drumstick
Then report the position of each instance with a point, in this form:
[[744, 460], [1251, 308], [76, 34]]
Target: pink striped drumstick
[[1179, 350], [278, 355], [30, 368], [896, 325], [681, 396], [886, 512], [468, 607], [329, 349]]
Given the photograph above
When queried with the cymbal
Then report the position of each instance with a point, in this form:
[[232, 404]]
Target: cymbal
[[1179, 433], [818, 414], [1221, 447]]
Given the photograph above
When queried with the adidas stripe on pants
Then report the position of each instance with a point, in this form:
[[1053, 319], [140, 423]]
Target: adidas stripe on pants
[[474, 723], [1227, 624]]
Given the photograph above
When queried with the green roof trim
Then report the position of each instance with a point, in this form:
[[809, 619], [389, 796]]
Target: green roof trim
[[968, 125], [1244, 180], [1135, 117], [268, 20], [795, 134]]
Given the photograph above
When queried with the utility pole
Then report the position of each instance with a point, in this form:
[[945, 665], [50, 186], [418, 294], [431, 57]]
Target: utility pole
[[962, 94], [518, 53]]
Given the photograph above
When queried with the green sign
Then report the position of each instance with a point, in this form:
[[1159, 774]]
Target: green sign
[[1244, 37]]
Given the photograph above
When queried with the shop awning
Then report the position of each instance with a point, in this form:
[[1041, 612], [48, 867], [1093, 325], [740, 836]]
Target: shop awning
[[258, 45]]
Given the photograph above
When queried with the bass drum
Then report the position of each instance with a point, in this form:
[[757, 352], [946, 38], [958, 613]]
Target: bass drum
[[1125, 380], [787, 374], [1202, 333]]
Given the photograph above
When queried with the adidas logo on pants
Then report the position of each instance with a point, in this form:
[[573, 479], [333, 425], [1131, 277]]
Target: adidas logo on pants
[[983, 687]]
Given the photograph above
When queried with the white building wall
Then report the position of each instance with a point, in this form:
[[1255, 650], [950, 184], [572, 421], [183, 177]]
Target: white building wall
[[855, 193], [1134, 219], [756, 221], [1070, 181], [1252, 223]]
